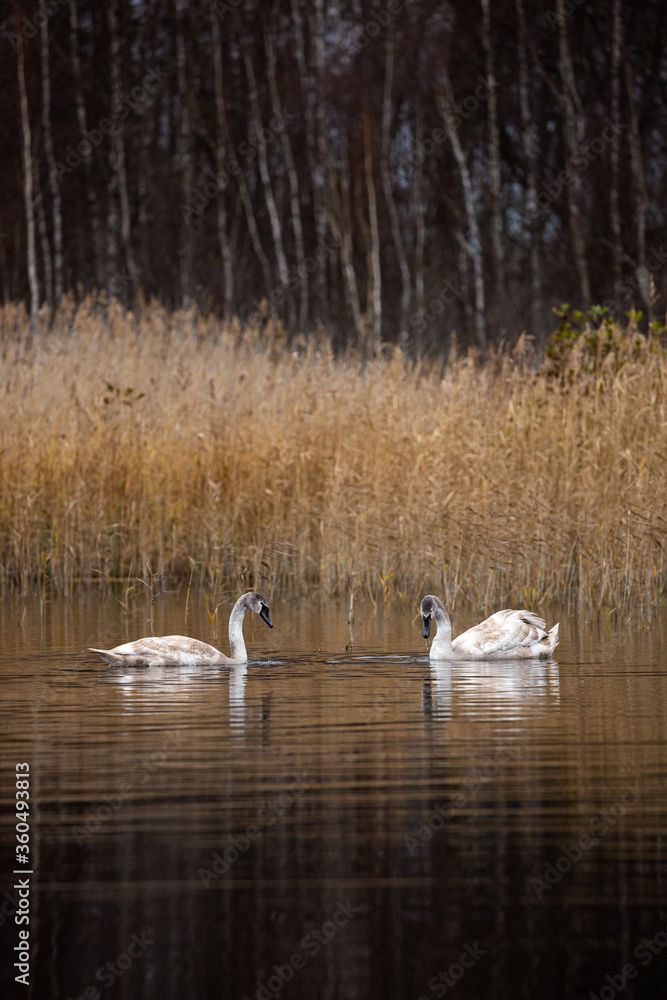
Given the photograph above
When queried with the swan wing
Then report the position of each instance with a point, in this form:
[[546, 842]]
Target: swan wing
[[168, 649], [501, 633]]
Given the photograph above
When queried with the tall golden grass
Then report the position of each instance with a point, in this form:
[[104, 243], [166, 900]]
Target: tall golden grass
[[211, 452]]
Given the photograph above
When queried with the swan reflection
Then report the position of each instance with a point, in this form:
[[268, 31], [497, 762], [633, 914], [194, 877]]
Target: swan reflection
[[510, 688], [237, 682]]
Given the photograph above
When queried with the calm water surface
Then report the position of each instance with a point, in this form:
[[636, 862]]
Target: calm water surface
[[338, 819]]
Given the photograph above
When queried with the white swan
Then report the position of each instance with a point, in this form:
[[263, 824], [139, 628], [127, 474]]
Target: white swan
[[507, 635], [160, 650]]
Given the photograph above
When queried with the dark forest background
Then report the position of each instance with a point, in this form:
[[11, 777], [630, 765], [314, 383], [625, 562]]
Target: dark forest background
[[394, 171]]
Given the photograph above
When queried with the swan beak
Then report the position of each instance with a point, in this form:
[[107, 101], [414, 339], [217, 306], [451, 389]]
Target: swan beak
[[426, 630], [264, 614]]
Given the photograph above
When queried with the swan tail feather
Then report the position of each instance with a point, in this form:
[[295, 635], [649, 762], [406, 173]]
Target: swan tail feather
[[551, 640], [106, 654]]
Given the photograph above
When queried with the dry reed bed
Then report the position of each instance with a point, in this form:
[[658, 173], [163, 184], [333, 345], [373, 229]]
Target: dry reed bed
[[216, 454]]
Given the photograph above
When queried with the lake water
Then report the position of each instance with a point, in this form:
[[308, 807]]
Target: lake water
[[338, 819]]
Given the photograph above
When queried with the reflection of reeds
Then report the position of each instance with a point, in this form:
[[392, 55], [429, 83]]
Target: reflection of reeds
[[164, 439]]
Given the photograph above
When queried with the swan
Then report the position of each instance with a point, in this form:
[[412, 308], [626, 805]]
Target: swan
[[160, 650], [507, 635]]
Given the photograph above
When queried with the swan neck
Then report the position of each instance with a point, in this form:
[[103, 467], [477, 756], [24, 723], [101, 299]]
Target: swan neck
[[236, 641], [441, 648]]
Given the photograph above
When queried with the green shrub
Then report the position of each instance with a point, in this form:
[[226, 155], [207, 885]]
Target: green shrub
[[593, 344]]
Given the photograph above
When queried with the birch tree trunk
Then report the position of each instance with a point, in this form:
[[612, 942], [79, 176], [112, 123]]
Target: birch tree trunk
[[54, 184], [529, 142], [223, 144], [574, 133], [264, 172], [418, 203], [474, 244], [639, 177], [316, 14], [341, 226], [494, 155], [118, 148], [295, 207], [387, 186], [185, 153], [46, 249], [91, 194], [614, 152], [464, 279], [220, 155], [316, 170], [28, 180], [376, 267]]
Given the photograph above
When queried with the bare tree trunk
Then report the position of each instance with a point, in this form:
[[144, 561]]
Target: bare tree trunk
[[46, 248], [185, 152], [145, 47], [376, 268], [315, 170], [295, 208], [220, 154], [418, 202], [494, 155], [464, 272], [573, 122], [28, 181], [474, 243], [118, 148], [91, 195], [54, 184], [387, 186], [341, 226], [264, 172], [224, 143], [639, 177], [253, 230], [528, 135], [362, 223], [111, 231], [614, 152], [317, 35]]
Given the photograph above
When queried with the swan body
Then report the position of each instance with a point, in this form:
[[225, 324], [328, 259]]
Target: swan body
[[506, 635], [180, 650]]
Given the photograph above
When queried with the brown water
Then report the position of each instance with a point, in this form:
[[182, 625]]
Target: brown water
[[338, 819]]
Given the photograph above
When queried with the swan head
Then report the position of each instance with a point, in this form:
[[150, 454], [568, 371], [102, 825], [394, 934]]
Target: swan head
[[259, 604], [427, 609]]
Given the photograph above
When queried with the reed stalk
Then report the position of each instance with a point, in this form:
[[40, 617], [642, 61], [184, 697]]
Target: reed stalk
[[233, 457]]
